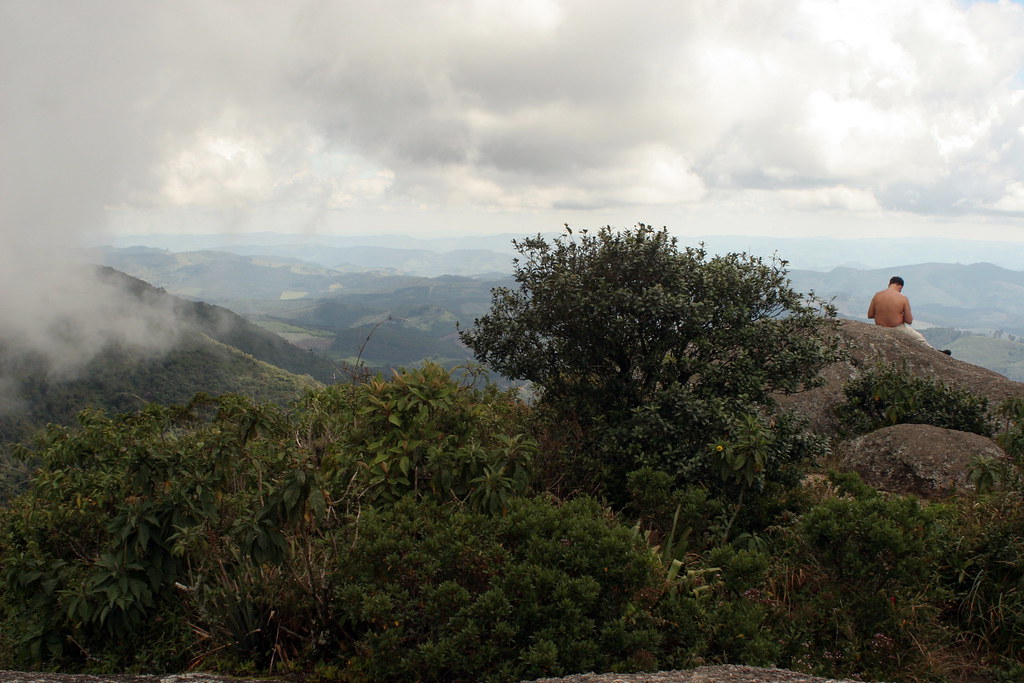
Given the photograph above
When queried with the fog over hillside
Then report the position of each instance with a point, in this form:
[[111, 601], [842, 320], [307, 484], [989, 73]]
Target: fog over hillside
[[58, 316], [67, 312]]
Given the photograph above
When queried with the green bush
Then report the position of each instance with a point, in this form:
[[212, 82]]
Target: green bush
[[1011, 432], [675, 521], [985, 572], [890, 394], [200, 529], [738, 510], [714, 611], [858, 586], [1008, 472], [419, 433], [94, 548], [432, 593]]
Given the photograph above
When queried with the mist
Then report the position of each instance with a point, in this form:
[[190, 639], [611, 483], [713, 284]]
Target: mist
[[64, 312], [83, 129]]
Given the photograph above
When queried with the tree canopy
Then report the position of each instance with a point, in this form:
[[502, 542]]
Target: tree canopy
[[626, 326]]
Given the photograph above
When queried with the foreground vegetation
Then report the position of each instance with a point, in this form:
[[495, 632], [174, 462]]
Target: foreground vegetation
[[649, 510]]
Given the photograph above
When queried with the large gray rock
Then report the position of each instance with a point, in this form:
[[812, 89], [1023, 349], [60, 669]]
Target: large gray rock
[[923, 460]]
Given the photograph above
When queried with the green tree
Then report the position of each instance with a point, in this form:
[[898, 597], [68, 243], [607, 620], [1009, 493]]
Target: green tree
[[655, 350]]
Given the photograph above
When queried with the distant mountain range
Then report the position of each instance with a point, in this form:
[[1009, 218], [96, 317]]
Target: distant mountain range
[[473, 257], [221, 276], [361, 315], [980, 297], [373, 311]]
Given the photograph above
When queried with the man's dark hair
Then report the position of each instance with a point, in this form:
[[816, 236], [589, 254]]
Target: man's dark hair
[[896, 280]]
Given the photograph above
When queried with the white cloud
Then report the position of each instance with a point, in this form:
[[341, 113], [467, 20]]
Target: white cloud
[[217, 171], [836, 198], [358, 185], [853, 138], [305, 108], [1012, 199]]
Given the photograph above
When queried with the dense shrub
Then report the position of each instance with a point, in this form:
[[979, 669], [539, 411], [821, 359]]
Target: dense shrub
[[419, 433], [692, 520], [858, 589], [92, 551], [713, 611], [430, 593], [220, 536], [1011, 437], [890, 394], [199, 529]]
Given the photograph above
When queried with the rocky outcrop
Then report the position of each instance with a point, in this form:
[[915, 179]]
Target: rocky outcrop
[[919, 459], [926, 461], [704, 674], [868, 345], [726, 673]]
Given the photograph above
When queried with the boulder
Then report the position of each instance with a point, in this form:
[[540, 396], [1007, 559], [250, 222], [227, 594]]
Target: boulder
[[930, 462]]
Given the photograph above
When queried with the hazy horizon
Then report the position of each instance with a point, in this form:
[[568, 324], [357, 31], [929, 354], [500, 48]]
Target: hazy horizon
[[808, 253]]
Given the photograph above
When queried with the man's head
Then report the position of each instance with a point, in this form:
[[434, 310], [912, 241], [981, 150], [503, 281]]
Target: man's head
[[896, 280]]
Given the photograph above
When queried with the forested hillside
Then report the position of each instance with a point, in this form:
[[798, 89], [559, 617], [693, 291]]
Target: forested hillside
[[227, 327], [999, 351]]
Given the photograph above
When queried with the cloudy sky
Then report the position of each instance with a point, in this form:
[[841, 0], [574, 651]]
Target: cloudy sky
[[775, 117]]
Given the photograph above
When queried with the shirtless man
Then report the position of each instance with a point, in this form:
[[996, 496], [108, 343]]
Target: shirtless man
[[891, 308]]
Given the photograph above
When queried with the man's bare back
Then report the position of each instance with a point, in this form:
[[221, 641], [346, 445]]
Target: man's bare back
[[890, 308]]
